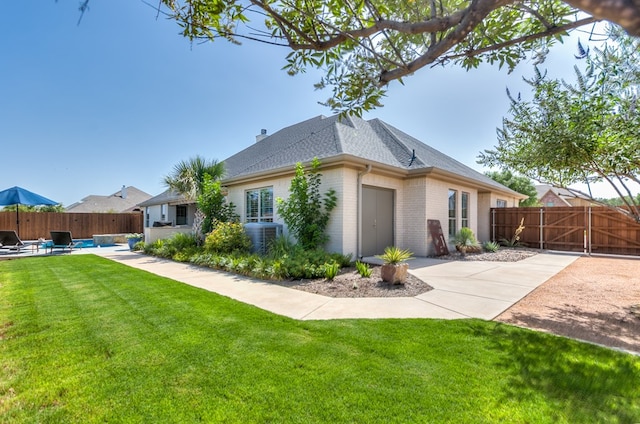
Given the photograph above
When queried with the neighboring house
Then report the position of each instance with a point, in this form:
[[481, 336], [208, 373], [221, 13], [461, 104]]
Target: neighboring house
[[552, 196], [166, 214], [388, 184], [124, 200]]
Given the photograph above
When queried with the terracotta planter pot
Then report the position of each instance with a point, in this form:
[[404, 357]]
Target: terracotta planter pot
[[394, 274]]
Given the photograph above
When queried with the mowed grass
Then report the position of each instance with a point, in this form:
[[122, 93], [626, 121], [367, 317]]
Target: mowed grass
[[84, 339]]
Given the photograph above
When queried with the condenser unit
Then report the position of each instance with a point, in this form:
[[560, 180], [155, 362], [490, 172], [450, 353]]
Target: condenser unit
[[261, 234]]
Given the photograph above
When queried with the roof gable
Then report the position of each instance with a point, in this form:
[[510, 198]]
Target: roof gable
[[326, 137]]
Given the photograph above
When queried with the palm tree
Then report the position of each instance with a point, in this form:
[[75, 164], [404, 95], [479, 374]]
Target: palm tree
[[187, 178]]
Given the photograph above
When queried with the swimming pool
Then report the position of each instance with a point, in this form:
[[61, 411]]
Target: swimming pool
[[80, 243]]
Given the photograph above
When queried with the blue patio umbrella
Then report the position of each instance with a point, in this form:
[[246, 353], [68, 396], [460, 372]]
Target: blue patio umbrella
[[20, 196]]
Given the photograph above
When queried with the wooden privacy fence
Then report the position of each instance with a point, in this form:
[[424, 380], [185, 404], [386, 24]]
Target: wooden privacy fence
[[34, 225], [588, 229]]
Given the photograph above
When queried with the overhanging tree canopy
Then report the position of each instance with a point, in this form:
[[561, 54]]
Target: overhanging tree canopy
[[362, 45], [586, 132]]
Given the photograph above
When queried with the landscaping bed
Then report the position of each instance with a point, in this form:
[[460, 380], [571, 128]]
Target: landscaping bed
[[350, 284]]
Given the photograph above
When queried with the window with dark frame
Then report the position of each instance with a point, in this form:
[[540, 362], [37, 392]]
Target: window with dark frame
[[181, 215], [453, 194]]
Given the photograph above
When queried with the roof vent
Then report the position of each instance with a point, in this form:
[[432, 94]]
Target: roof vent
[[262, 135]]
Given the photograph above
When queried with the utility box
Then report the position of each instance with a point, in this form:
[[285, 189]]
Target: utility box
[[261, 234]]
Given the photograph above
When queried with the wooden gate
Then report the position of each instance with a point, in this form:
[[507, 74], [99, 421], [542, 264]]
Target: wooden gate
[[585, 229]]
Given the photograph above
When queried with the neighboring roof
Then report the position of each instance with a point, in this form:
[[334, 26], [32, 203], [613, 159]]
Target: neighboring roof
[[372, 141], [124, 200], [166, 197], [562, 193]]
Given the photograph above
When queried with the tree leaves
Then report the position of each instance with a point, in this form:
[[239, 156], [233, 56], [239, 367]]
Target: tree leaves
[[585, 132], [361, 46]]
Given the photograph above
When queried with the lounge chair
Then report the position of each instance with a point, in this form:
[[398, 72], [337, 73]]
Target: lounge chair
[[9, 240], [62, 240]]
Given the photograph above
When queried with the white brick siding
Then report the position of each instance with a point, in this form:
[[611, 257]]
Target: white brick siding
[[415, 201]]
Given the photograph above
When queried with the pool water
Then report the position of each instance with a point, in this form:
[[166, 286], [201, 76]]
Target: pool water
[[85, 243]]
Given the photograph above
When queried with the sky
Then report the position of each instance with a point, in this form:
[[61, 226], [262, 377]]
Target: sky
[[122, 97]]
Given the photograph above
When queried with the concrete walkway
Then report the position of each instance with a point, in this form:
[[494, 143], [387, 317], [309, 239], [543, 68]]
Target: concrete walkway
[[461, 289]]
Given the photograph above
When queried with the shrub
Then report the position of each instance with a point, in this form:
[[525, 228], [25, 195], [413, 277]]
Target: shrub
[[281, 246], [466, 241], [139, 246], [331, 270], [228, 237], [183, 241], [393, 255], [213, 204], [305, 212], [491, 246], [363, 269]]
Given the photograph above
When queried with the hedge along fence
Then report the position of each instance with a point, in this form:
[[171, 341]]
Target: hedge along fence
[[588, 229], [34, 225]]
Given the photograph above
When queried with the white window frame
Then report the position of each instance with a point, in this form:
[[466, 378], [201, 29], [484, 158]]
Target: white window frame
[[263, 212]]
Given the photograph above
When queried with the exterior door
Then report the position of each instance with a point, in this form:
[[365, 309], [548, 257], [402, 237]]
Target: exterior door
[[377, 220]]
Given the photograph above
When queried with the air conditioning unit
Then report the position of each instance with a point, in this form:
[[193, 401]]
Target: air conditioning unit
[[261, 234]]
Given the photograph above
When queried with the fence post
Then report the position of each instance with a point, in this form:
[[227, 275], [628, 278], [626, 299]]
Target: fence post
[[493, 225], [541, 228], [589, 229]]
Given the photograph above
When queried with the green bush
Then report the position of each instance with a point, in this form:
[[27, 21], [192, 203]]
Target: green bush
[[491, 246], [393, 255], [306, 212], [226, 238], [226, 248], [331, 270], [281, 246], [466, 241], [363, 269], [182, 241]]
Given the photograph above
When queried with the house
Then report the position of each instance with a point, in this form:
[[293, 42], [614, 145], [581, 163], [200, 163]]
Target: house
[[550, 196], [388, 184], [166, 214], [122, 201]]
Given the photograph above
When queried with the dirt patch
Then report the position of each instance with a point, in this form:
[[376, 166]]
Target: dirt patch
[[594, 299]]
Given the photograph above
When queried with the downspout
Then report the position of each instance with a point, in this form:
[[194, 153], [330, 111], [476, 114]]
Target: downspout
[[359, 212]]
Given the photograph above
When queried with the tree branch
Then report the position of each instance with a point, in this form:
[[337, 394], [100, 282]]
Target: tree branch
[[625, 13]]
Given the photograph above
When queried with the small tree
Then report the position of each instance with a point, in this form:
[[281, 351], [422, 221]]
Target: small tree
[[305, 212], [188, 177], [213, 205], [517, 183], [585, 132]]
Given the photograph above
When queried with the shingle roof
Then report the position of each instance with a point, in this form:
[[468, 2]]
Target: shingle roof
[[167, 196], [327, 137], [562, 193], [112, 203]]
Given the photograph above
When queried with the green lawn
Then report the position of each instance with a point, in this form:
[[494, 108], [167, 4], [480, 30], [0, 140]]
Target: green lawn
[[84, 339]]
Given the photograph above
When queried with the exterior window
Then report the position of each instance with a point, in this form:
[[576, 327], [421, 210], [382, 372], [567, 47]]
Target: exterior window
[[501, 203], [181, 215], [259, 205], [465, 209], [453, 194], [163, 212]]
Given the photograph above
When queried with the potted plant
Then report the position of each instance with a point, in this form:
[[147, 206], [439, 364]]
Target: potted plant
[[133, 238], [394, 269], [466, 241]]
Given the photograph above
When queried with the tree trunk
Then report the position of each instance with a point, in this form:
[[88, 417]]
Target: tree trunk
[[198, 221]]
